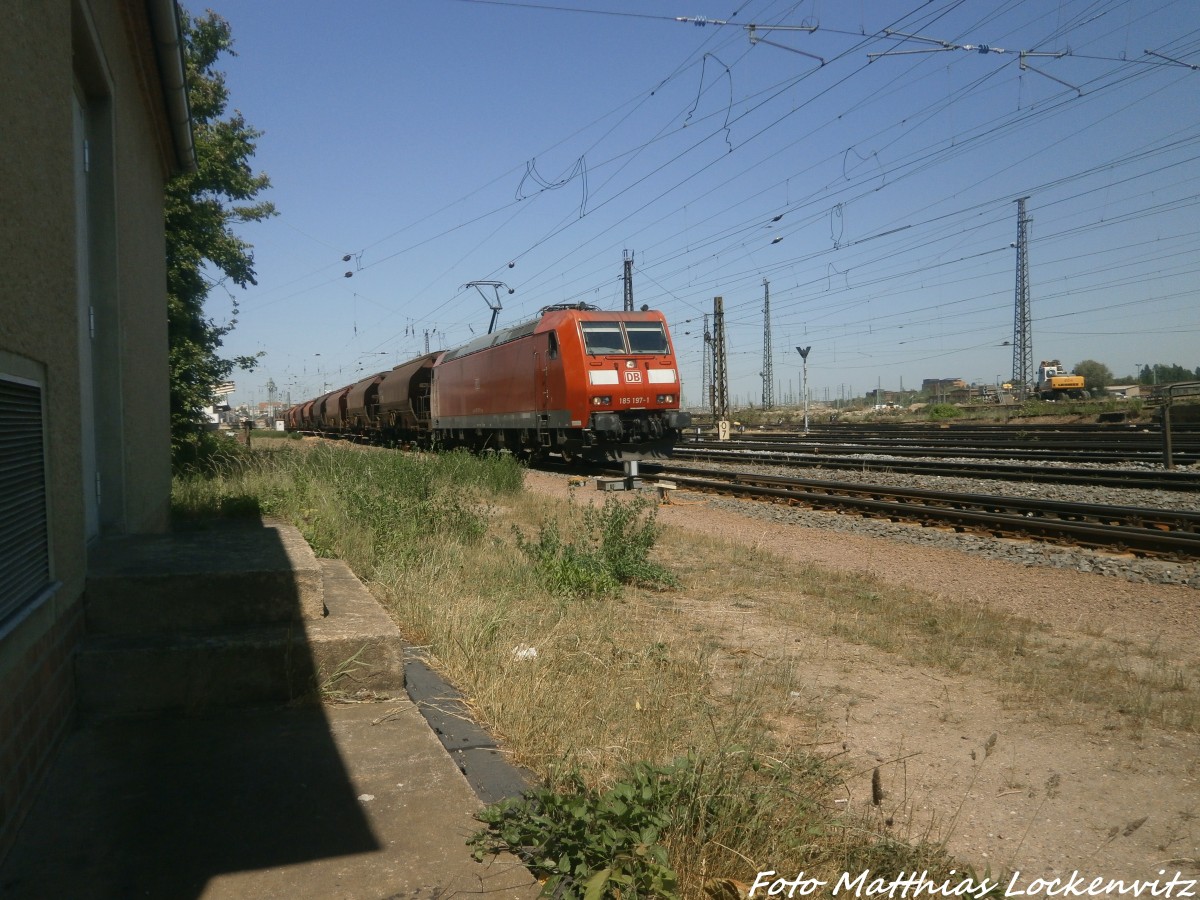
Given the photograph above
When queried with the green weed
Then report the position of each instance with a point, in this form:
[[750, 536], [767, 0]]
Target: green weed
[[613, 549], [939, 412], [585, 843]]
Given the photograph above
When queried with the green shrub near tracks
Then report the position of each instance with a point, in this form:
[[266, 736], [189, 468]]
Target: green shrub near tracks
[[940, 412], [613, 549]]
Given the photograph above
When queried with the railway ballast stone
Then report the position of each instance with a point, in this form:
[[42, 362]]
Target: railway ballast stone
[[1146, 571]]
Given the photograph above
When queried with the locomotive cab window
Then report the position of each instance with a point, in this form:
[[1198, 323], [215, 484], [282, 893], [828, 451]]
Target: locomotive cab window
[[602, 338], [646, 337], [552, 346]]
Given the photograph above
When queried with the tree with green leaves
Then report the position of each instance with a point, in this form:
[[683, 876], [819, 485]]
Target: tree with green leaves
[[203, 251], [1163, 373], [1096, 375]]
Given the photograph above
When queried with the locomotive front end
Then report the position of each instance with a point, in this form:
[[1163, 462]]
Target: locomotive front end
[[631, 385]]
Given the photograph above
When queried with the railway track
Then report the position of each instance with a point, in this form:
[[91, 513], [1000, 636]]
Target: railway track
[[901, 446], [1137, 530], [1023, 471], [1033, 435]]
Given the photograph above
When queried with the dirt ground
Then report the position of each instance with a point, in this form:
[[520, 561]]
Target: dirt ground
[[1010, 786]]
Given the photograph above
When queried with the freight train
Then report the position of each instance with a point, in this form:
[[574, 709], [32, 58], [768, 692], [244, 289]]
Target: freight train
[[576, 382]]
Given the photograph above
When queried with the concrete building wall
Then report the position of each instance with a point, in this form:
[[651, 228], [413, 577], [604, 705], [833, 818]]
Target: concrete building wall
[[70, 67]]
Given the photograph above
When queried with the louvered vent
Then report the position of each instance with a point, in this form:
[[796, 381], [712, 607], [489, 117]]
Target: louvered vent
[[24, 537]]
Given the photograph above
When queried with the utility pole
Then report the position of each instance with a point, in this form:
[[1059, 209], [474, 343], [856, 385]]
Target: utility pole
[[1022, 320], [768, 372], [427, 340], [720, 367], [628, 281], [706, 360]]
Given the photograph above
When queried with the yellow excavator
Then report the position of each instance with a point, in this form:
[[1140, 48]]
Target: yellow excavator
[[1054, 382]]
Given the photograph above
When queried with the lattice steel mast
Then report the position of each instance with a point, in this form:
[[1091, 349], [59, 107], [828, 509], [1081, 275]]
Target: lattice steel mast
[[1023, 320], [768, 372], [720, 367]]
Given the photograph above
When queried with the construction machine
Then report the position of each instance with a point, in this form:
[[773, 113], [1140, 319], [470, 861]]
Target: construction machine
[[1054, 382]]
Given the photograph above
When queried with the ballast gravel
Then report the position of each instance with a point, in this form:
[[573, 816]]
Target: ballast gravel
[[1027, 553]]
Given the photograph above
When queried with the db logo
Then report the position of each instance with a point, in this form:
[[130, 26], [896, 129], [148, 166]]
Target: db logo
[[633, 377]]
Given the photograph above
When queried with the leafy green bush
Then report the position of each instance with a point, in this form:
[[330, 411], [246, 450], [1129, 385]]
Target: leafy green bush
[[708, 811], [568, 570], [585, 843], [614, 550], [939, 412], [626, 533]]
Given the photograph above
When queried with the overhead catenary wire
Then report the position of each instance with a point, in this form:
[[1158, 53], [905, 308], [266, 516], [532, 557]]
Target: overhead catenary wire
[[814, 206]]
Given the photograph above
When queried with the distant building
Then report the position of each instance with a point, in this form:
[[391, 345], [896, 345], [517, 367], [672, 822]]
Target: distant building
[[883, 399], [1124, 391], [270, 410], [940, 385]]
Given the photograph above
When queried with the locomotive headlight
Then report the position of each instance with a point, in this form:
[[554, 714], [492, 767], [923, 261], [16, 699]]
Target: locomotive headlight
[[666, 398], [602, 401]]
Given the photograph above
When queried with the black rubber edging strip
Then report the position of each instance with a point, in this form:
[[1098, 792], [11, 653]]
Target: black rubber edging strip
[[473, 750]]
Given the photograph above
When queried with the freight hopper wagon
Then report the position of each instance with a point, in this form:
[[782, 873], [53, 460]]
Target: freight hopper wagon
[[576, 381], [387, 406]]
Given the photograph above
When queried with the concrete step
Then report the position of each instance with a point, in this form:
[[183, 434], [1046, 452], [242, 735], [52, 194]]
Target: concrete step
[[357, 649], [130, 675], [224, 576], [354, 651]]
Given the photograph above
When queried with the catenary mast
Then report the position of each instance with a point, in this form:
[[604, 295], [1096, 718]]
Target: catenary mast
[[1022, 373], [768, 372]]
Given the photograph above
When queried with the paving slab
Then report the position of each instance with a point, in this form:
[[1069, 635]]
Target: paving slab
[[344, 801]]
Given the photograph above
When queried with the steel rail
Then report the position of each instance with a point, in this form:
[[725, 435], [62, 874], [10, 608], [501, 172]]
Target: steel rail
[[1139, 444], [894, 448], [1015, 430], [1142, 531], [1134, 446], [1141, 479]]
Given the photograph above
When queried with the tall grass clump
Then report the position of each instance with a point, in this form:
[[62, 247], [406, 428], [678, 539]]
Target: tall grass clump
[[372, 509]]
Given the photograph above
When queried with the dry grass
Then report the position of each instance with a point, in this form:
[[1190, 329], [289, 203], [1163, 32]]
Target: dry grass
[[1075, 677]]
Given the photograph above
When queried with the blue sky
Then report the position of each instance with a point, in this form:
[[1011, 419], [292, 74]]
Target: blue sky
[[441, 142]]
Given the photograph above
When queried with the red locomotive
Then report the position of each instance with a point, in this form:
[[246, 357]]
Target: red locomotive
[[576, 381]]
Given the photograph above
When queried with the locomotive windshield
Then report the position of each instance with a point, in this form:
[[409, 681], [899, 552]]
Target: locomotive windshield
[[646, 337], [603, 338]]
